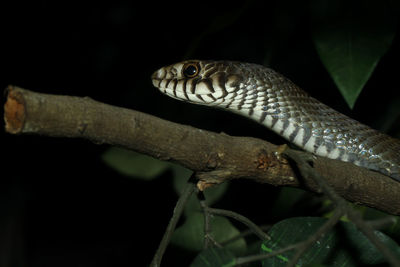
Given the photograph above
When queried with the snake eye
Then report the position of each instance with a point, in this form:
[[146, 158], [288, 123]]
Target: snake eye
[[191, 70]]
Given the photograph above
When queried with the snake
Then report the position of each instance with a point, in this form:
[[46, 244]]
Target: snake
[[269, 98]]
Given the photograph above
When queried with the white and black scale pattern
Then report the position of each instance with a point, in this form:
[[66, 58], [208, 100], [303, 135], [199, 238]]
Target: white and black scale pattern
[[274, 101]]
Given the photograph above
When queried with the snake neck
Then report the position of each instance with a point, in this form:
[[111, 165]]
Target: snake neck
[[317, 128]]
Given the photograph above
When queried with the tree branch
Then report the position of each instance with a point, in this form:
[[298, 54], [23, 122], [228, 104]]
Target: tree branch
[[214, 157]]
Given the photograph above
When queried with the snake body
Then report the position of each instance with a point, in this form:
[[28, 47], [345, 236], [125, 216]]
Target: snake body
[[271, 99]]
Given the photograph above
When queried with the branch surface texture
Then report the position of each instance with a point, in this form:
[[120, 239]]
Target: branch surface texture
[[215, 157]]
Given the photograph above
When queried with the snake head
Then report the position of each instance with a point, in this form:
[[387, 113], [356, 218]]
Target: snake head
[[199, 82]]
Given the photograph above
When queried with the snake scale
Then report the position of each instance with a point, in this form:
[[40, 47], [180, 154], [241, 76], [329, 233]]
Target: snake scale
[[271, 99]]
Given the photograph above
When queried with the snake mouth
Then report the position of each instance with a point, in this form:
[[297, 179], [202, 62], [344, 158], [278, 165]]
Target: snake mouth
[[157, 77], [178, 90]]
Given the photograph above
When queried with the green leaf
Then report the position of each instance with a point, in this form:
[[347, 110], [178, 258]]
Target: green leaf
[[343, 246], [191, 234], [350, 38], [214, 257], [287, 199], [180, 177], [133, 164]]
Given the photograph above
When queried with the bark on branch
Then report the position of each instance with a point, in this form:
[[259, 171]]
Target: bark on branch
[[215, 157]]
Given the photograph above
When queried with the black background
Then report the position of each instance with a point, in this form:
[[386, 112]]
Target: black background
[[59, 204]]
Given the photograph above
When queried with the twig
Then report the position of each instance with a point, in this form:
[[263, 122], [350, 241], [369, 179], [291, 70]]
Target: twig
[[252, 226], [245, 233], [207, 222], [326, 227], [178, 210], [383, 222], [369, 232], [300, 246], [307, 171], [213, 241], [211, 211]]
